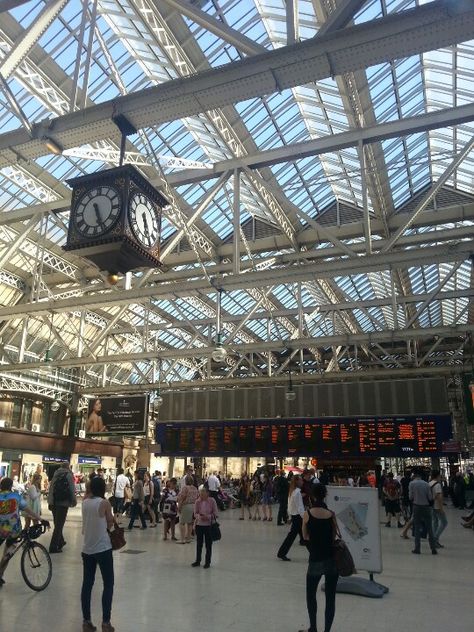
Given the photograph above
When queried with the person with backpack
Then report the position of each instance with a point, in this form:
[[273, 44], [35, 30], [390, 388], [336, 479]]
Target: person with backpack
[[61, 496]]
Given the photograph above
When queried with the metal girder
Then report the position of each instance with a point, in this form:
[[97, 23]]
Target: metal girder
[[251, 279], [17, 242], [292, 21], [22, 383], [334, 142], [39, 25], [14, 105], [107, 154], [248, 381], [347, 339], [203, 205], [241, 42], [428, 197], [7, 5], [340, 17], [323, 309], [410, 32]]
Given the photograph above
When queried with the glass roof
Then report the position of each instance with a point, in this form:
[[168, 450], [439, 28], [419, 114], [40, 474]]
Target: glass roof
[[130, 48]]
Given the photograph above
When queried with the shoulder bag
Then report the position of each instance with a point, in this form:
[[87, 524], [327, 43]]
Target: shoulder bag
[[342, 556], [117, 537], [215, 530]]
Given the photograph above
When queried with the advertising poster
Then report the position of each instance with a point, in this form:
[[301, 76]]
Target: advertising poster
[[117, 415], [357, 512]]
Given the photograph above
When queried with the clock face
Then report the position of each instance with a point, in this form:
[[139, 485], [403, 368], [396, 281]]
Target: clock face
[[143, 220], [97, 211]]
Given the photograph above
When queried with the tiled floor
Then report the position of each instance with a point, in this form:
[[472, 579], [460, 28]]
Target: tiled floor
[[246, 588]]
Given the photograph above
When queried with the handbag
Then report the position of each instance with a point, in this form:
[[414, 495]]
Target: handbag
[[117, 537], [342, 556], [216, 534]]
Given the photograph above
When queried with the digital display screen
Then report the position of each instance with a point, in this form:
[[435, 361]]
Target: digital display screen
[[215, 440], [349, 438], [279, 439], [330, 443], [262, 439], [387, 436], [368, 437], [231, 439], [170, 438], [296, 441], [426, 432], [186, 443], [406, 436], [246, 435], [200, 439], [335, 437]]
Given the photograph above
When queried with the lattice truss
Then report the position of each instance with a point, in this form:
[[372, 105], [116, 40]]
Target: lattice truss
[[347, 256]]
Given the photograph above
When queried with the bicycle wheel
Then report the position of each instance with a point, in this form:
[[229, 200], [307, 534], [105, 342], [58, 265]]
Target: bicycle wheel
[[36, 566]]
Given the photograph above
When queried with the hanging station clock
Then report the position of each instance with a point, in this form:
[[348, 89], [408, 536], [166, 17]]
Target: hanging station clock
[[115, 220]]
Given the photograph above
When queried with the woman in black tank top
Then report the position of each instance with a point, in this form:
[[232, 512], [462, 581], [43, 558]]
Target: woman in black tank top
[[319, 529]]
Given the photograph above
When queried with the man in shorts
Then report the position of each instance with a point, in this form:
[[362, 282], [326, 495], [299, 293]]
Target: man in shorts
[[11, 504]]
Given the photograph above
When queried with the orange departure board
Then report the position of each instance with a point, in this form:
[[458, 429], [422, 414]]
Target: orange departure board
[[334, 437]]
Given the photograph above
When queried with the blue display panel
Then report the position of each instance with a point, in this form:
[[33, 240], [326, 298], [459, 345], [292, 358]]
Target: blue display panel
[[413, 435]]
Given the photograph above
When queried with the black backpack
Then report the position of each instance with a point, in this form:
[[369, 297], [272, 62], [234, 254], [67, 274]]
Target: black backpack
[[62, 490]]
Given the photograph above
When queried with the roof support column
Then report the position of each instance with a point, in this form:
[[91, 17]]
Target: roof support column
[[292, 35], [236, 201], [365, 201]]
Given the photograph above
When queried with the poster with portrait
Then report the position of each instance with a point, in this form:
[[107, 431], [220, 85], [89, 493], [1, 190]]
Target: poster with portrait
[[125, 415]]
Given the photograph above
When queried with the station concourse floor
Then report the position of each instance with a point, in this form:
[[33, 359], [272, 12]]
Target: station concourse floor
[[247, 588]]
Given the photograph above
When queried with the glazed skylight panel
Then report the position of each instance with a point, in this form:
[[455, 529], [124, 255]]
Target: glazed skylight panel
[[200, 126], [241, 16], [449, 83], [324, 93]]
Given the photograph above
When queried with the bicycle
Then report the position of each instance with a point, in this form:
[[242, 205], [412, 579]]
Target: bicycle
[[35, 564]]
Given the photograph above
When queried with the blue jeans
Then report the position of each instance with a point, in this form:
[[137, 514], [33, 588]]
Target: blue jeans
[[440, 522], [106, 565]]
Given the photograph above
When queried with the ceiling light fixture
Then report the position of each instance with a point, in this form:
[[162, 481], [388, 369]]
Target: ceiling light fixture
[[52, 145]]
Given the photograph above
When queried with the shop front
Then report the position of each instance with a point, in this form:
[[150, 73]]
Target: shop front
[[22, 453], [10, 463]]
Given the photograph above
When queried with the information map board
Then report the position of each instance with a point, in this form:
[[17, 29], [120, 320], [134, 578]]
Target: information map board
[[421, 435], [357, 513]]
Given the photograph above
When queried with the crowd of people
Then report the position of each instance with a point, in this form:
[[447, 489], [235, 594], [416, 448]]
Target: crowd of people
[[413, 500]]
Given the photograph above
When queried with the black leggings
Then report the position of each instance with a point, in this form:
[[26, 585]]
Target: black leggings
[[106, 565], [312, 582]]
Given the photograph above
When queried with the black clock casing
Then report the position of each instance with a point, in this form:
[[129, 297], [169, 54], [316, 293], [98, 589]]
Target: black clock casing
[[115, 219]]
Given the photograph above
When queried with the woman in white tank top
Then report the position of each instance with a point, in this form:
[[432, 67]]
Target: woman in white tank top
[[97, 550]]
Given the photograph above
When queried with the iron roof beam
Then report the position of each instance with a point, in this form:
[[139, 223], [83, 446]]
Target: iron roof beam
[[218, 27], [251, 279], [347, 339], [364, 135], [432, 26]]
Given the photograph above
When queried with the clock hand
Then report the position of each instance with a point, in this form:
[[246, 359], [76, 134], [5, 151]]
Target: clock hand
[[145, 229], [97, 213]]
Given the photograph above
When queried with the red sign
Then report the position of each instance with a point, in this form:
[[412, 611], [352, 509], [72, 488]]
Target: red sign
[[451, 446]]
